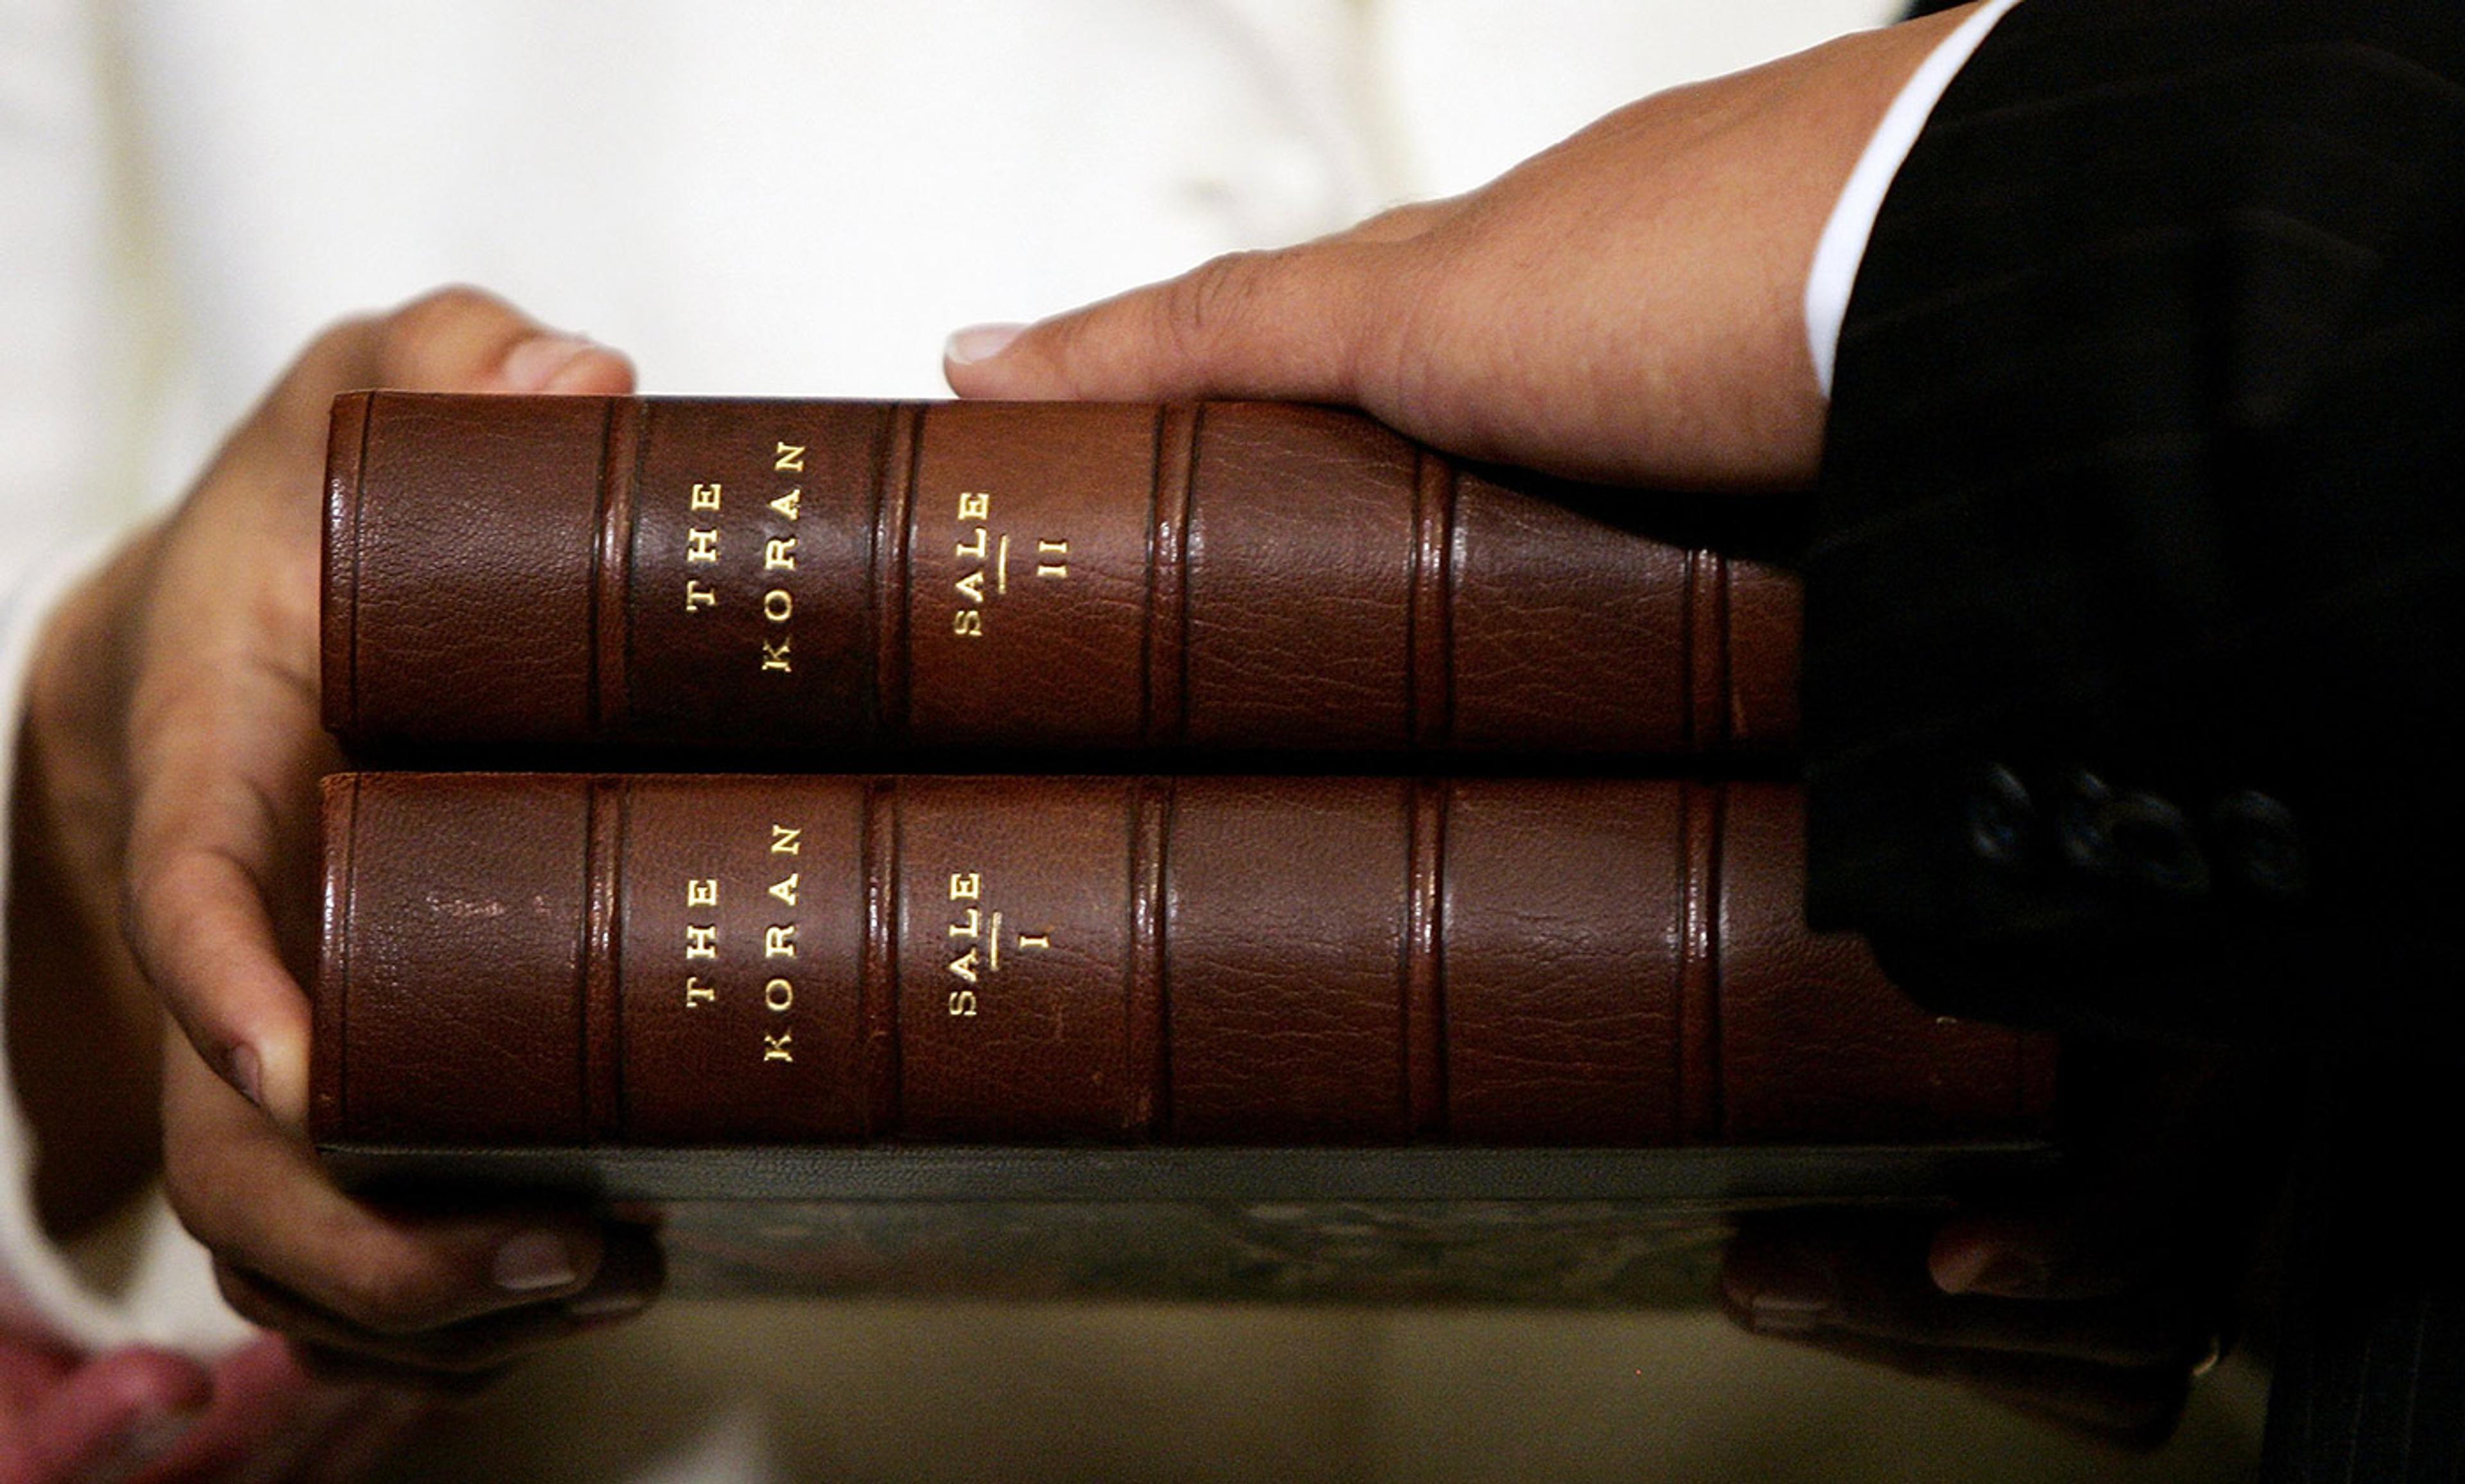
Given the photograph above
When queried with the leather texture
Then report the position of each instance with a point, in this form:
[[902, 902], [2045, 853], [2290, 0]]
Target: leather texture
[[516, 960], [807, 577]]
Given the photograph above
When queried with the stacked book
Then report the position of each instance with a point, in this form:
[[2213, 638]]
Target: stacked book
[[1169, 851]]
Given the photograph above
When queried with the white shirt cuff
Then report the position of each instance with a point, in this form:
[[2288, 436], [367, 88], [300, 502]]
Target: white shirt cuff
[[1842, 248]]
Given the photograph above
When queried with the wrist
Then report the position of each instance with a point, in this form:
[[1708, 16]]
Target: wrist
[[83, 1032]]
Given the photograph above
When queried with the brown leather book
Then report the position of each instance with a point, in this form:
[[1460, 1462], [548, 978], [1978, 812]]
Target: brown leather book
[[572, 962], [759, 576]]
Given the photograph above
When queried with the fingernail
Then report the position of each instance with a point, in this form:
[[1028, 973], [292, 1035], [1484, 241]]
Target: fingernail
[[979, 342], [1781, 1292], [1772, 1312], [248, 1074], [533, 364], [533, 1261], [608, 1305]]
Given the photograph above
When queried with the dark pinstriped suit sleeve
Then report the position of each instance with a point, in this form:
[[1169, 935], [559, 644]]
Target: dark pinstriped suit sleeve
[[2133, 636]]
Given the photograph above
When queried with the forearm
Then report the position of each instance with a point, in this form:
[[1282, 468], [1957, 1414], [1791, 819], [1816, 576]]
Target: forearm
[[2131, 696], [84, 1030]]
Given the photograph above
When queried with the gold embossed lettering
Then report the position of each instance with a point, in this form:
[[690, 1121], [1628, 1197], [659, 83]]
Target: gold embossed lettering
[[780, 941], [779, 554], [974, 551], [969, 928], [975, 505], [697, 595], [696, 992], [776, 605], [971, 586], [1052, 559], [702, 543], [785, 841], [967, 885], [962, 1002], [784, 888], [967, 624], [1035, 939], [964, 966], [791, 505], [779, 994], [702, 892], [791, 459], [775, 1048], [705, 496], [774, 656], [701, 941]]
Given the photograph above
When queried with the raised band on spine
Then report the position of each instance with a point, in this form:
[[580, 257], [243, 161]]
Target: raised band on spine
[[602, 1049], [1164, 708], [611, 567], [1706, 628], [329, 1016], [1147, 1055], [1425, 1040], [1428, 686], [346, 454], [878, 987], [893, 501], [1699, 967]]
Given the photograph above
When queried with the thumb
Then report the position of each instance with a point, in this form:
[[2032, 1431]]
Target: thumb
[[2021, 1257], [1290, 323], [453, 339], [462, 339]]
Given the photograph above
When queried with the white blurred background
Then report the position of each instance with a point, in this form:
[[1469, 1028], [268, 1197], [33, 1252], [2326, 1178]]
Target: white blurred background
[[783, 198]]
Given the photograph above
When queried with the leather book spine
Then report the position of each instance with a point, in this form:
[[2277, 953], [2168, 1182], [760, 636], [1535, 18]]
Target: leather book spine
[[527, 961], [1228, 577]]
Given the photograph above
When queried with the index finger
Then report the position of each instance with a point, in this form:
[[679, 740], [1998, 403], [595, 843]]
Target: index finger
[[1290, 323], [223, 744]]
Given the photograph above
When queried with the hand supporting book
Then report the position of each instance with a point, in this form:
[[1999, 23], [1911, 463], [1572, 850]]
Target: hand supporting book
[[2091, 1304], [185, 677], [1626, 307], [172, 748], [175, 712], [139, 1412]]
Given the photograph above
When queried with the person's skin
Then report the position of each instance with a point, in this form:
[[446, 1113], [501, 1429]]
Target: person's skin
[[149, 1417], [1629, 308], [169, 762], [2089, 1304], [1625, 307]]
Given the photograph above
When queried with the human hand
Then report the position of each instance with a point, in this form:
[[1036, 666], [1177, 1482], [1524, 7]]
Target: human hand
[[1626, 307], [171, 752], [61, 1418], [2092, 1306], [150, 1416]]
